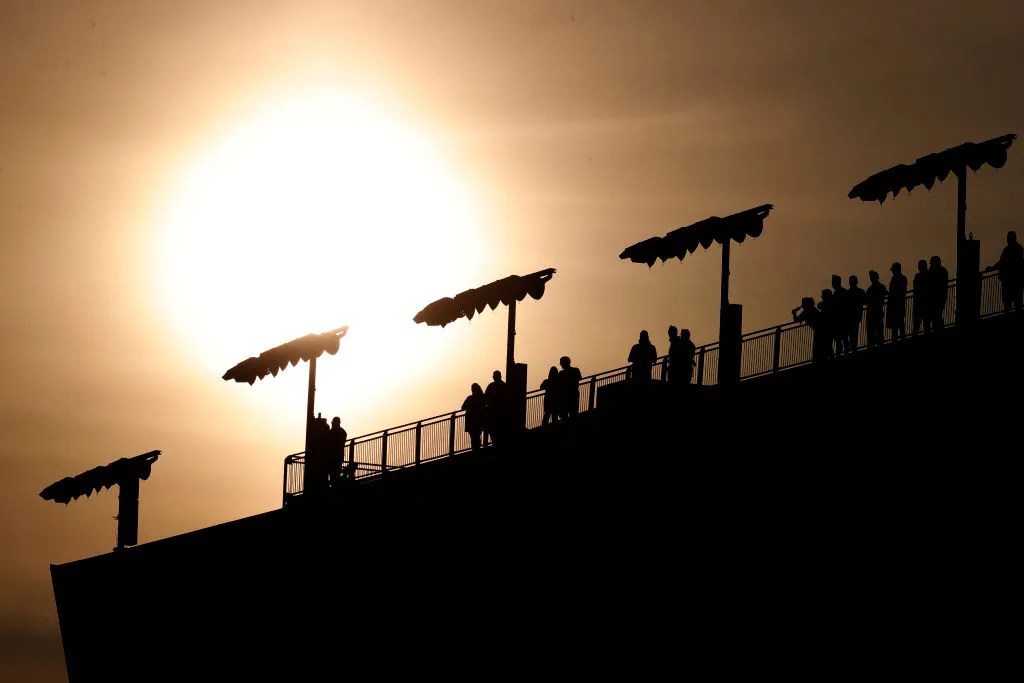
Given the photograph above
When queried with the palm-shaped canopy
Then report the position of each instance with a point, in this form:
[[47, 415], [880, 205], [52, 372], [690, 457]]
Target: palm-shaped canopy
[[272, 361], [86, 483], [507, 290], [685, 240], [927, 169]]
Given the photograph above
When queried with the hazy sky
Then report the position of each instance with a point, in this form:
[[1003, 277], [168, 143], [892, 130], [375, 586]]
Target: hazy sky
[[184, 184]]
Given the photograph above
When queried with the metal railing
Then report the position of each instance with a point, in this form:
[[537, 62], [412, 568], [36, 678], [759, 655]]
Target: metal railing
[[763, 352]]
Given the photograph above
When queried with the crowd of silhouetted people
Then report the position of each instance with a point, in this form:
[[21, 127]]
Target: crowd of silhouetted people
[[678, 366], [836, 318]]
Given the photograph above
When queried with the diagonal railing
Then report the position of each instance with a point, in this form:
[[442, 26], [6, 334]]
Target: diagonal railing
[[764, 352]]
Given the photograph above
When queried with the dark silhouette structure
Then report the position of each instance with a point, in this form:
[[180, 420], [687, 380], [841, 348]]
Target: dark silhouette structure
[[896, 308], [642, 357], [553, 398], [125, 473], [273, 361], [475, 406], [1011, 273], [875, 314], [922, 287], [858, 300], [938, 287], [925, 171], [685, 240]]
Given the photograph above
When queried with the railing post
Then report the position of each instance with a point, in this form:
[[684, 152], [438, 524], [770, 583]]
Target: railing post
[[419, 432], [700, 366], [778, 349], [451, 436], [284, 487], [593, 392], [384, 452]]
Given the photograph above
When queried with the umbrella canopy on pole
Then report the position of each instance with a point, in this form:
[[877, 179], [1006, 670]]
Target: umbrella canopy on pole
[[506, 291], [91, 481], [927, 169], [272, 361], [682, 241]]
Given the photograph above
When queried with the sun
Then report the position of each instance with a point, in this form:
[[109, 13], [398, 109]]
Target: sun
[[317, 210]]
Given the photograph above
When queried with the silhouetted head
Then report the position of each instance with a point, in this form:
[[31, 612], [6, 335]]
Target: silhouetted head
[[853, 281], [673, 332], [922, 265], [837, 281], [336, 422], [826, 295], [496, 376], [896, 268], [476, 390], [685, 333], [553, 372], [873, 275], [643, 337], [807, 302], [564, 362], [936, 262], [1011, 237]]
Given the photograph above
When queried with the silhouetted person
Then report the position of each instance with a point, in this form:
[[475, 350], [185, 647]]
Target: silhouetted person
[[642, 357], [807, 313], [673, 346], [1011, 273], [876, 295], [552, 399], [921, 302], [475, 406], [497, 413], [336, 440], [938, 290], [829, 321], [841, 315], [569, 387], [858, 299], [896, 308], [318, 459], [681, 357]]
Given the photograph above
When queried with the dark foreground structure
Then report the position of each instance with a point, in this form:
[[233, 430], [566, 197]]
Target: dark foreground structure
[[860, 515]]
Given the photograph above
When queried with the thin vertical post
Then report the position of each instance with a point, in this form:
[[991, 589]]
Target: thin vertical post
[[451, 436], [593, 392], [778, 348], [700, 366], [309, 401], [384, 452], [961, 206], [725, 274], [419, 433], [510, 349]]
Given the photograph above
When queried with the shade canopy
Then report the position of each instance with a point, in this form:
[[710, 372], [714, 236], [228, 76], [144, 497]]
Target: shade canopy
[[685, 240], [272, 361], [473, 301], [98, 478], [926, 170]]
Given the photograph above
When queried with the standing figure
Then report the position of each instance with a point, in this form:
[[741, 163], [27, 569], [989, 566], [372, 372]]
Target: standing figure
[[921, 302], [668, 371], [552, 397], [686, 358], [1011, 273], [938, 291], [569, 388], [336, 440], [876, 295], [475, 406], [858, 298], [896, 309], [841, 315], [642, 357], [821, 344], [496, 416]]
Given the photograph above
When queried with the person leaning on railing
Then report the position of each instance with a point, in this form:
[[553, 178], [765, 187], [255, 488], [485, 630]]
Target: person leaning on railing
[[1011, 273]]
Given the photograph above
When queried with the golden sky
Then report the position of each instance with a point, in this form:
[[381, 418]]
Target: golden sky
[[185, 184]]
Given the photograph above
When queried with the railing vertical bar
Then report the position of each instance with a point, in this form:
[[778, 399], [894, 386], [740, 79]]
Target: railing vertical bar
[[419, 432], [451, 436], [593, 392], [700, 366], [778, 349], [384, 452]]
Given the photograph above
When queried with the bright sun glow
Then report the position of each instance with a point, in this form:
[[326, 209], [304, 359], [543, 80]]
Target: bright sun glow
[[315, 212]]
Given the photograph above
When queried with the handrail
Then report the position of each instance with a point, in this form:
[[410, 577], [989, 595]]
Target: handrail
[[429, 443]]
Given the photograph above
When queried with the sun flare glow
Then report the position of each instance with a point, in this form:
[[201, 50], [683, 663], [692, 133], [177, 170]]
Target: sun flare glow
[[317, 211]]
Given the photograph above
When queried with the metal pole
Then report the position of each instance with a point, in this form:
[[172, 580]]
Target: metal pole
[[725, 274], [961, 206], [309, 401], [510, 354]]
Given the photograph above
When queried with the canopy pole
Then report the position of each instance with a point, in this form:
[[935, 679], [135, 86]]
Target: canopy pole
[[725, 274], [510, 352], [961, 205], [309, 401]]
